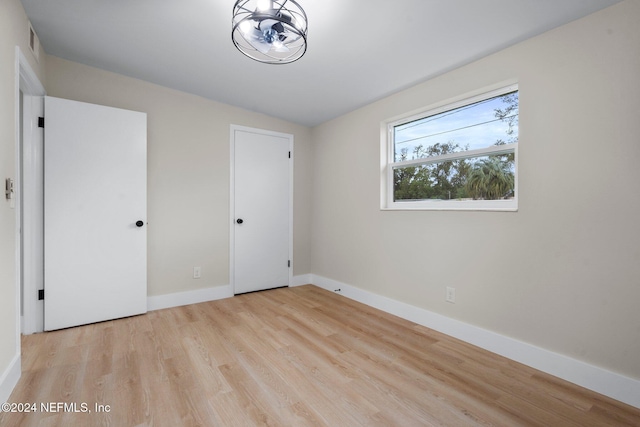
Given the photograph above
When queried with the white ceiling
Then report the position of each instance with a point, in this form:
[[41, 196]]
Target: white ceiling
[[358, 50]]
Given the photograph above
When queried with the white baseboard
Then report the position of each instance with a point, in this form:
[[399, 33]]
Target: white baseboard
[[177, 299], [303, 279], [10, 378], [611, 384]]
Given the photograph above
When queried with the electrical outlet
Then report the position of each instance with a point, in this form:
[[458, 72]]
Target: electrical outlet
[[451, 295], [197, 272]]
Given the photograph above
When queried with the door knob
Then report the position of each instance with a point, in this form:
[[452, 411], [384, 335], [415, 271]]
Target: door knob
[[239, 221], [139, 223]]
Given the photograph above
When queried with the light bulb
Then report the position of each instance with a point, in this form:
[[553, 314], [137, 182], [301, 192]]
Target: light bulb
[[245, 27], [263, 5]]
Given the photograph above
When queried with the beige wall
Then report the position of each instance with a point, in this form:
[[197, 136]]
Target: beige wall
[[13, 31], [563, 272], [188, 172]]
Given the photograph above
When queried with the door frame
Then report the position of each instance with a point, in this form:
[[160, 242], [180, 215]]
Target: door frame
[[232, 216], [27, 313], [32, 213]]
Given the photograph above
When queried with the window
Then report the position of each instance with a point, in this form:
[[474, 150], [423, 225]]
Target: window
[[457, 156]]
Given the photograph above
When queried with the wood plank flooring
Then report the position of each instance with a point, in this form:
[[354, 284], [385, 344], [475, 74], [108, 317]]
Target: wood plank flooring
[[288, 357]]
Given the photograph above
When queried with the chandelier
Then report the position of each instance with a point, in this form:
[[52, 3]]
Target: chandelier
[[270, 31]]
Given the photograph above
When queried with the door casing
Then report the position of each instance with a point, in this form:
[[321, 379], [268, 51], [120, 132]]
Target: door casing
[[32, 176], [29, 310]]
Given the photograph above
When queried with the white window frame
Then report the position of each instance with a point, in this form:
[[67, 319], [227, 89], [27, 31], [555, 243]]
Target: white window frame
[[388, 165]]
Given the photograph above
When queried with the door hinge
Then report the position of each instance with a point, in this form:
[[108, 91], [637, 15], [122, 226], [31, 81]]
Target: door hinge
[[289, 154], [40, 294], [289, 263], [41, 122]]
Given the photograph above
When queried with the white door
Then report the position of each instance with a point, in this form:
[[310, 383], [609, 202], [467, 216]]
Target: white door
[[95, 193], [261, 209]]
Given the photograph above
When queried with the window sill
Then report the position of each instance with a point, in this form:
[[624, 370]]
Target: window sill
[[445, 205]]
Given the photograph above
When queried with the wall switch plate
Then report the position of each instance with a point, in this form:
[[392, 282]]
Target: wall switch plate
[[197, 272], [451, 295]]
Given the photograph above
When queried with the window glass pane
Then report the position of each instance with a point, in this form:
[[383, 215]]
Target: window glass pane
[[493, 121], [476, 178]]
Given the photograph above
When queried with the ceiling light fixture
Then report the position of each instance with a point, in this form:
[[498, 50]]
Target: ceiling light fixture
[[270, 31]]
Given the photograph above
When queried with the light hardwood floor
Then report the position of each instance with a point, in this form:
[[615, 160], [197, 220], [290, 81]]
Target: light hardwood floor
[[288, 357]]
